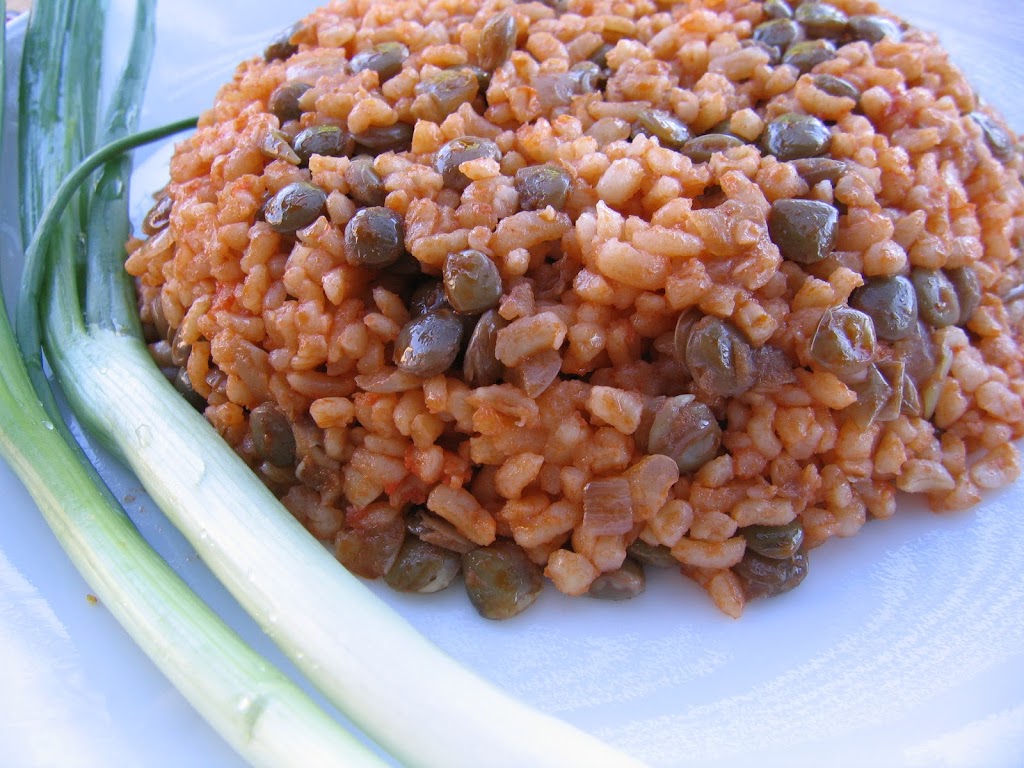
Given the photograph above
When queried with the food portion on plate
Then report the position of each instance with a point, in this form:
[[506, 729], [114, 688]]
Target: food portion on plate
[[569, 290]]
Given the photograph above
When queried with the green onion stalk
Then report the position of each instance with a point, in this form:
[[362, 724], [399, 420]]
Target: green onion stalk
[[258, 710], [412, 698]]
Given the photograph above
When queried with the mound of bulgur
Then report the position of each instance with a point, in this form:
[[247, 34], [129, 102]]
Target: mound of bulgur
[[655, 356]]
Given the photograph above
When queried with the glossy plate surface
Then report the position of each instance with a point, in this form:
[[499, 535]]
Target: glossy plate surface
[[905, 646]]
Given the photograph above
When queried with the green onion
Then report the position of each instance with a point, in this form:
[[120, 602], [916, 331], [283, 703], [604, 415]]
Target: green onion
[[416, 701], [108, 207], [256, 708]]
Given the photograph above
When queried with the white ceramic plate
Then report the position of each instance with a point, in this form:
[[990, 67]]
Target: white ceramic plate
[[905, 646]]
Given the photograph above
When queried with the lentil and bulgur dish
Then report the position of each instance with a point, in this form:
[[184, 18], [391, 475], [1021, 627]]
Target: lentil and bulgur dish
[[576, 288]]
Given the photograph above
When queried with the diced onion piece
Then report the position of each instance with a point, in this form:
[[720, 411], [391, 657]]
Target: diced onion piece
[[607, 507], [536, 373]]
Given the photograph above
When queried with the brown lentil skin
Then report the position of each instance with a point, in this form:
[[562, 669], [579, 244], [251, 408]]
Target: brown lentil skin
[[375, 237], [183, 384], [670, 131], [449, 89], [282, 47], [700, 149], [937, 300], [284, 101], [325, 140], [836, 86], [719, 358], [996, 137], [686, 431], [767, 576], [390, 138], [428, 296], [891, 302], [481, 368], [775, 541], [472, 282], [385, 59], [366, 187], [624, 584], [542, 185], [497, 41], [815, 170], [779, 33], [273, 439], [873, 29], [501, 580], [794, 137], [296, 206], [461, 150], [422, 567], [428, 345], [777, 9], [844, 343], [159, 216], [808, 54], [821, 20], [804, 230], [968, 292]]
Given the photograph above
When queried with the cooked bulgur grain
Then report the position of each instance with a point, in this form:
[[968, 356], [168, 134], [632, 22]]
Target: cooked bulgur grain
[[582, 287]]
